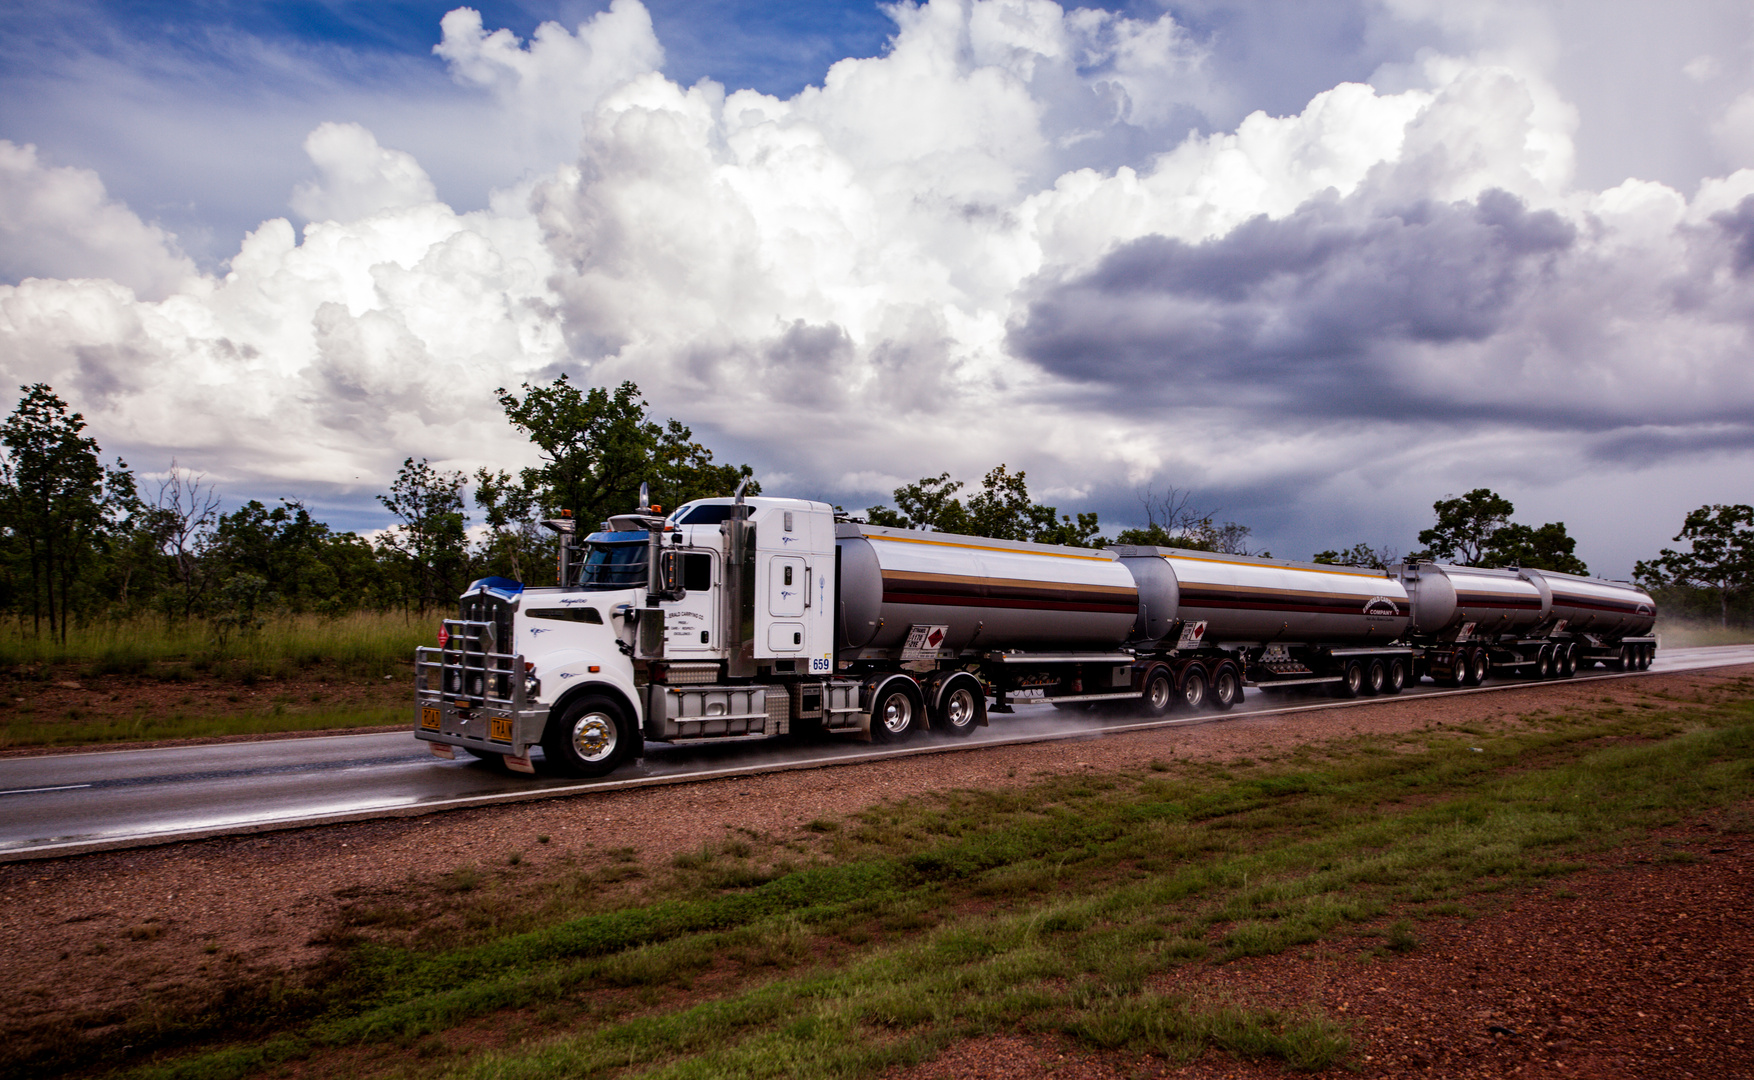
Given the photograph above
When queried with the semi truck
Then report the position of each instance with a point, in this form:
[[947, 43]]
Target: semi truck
[[754, 618]]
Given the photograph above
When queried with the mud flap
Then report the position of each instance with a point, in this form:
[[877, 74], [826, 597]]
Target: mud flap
[[442, 750], [520, 764]]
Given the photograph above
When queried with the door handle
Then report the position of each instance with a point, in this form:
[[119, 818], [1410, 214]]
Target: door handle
[[807, 586]]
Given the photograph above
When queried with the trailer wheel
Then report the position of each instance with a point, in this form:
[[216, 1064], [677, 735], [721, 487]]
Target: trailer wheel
[[1565, 657], [1375, 676], [895, 713], [1544, 663], [1351, 680], [1193, 691], [1649, 657], [589, 739], [1458, 670], [1158, 696], [1396, 680], [1226, 687], [1473, 667], [961, 707]]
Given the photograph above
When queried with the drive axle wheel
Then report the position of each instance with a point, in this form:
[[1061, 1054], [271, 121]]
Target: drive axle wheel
[[895, 713], [961, 707], [589, 738]]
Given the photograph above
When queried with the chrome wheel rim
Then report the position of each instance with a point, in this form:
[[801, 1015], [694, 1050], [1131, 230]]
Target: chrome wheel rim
[[1194, 691], [1159, 693], [898, 713], [594, 736], [959, 709]]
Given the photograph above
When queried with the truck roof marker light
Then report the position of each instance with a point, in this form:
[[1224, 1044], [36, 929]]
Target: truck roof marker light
[[594, 668]]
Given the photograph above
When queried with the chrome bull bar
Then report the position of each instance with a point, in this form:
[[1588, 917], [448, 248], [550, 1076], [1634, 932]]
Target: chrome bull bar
[[472, 695]]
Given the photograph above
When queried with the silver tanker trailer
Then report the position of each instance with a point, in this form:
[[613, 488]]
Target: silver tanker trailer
[[1468, 620]]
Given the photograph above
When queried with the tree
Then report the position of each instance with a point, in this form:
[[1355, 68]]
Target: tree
[[1359, 554], [432, 535], [1465, 527], [1001, 509], [1720, 560], [61, 502], [598, 447], [1546, 548], [181, 522], [515, 540]]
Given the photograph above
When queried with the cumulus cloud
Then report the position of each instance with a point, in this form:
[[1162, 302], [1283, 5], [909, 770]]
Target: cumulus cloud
[[357, 177], [995, 241], [59, 222]]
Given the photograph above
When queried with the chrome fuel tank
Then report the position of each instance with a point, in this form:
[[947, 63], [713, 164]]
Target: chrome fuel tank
[[1592, 605], [985, 594], [1245, 599], [1447, 598]]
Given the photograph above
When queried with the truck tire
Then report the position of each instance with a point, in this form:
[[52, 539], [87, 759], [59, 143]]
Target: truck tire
[[1226, 687], [589, 737], [1158, 697], [1396, 679], [962, 706], [1565, 661], [1193, 688], [1351, 680], [1375, 675], [895, 712]]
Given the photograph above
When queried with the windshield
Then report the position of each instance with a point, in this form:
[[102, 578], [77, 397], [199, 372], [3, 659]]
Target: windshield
[[617, 564], [705, 514]]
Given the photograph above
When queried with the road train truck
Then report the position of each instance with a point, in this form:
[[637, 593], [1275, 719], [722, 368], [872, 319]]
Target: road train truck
[[755, 618]]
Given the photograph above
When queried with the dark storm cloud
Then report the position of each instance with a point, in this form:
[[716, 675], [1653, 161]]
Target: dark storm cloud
[[1655, 444], [1738, 227], [1309, 304]]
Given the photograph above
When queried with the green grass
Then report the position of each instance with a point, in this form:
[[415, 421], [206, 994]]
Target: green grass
[[1066, 908], [137, 645]]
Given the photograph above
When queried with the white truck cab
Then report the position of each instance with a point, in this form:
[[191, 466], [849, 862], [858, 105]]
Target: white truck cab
[[716, 622]]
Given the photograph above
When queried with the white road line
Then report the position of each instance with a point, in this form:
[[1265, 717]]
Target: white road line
[[34, 790]]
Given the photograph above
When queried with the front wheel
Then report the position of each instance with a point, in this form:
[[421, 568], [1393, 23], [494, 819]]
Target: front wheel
[[590, 738]]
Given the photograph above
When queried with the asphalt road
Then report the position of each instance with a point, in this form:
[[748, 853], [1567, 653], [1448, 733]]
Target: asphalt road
[[69, 803]]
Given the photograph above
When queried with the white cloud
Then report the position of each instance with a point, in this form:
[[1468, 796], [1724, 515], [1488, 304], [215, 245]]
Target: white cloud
[[357, 177], [927, 263], [59, 222]]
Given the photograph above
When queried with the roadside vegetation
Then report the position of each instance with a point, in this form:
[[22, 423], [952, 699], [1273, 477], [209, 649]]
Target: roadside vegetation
[[140, 679], [1083, 907]]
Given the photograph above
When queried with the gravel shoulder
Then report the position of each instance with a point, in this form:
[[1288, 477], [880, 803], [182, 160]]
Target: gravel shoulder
[[1640, 956]]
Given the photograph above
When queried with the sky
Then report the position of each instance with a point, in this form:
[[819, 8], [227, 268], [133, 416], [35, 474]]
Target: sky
[[1317, 264]]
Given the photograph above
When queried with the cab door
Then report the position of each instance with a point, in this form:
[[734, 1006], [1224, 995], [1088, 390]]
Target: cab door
[[691, 626]]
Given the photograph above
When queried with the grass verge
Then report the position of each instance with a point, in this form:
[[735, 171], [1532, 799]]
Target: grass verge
[[1068, 906]]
